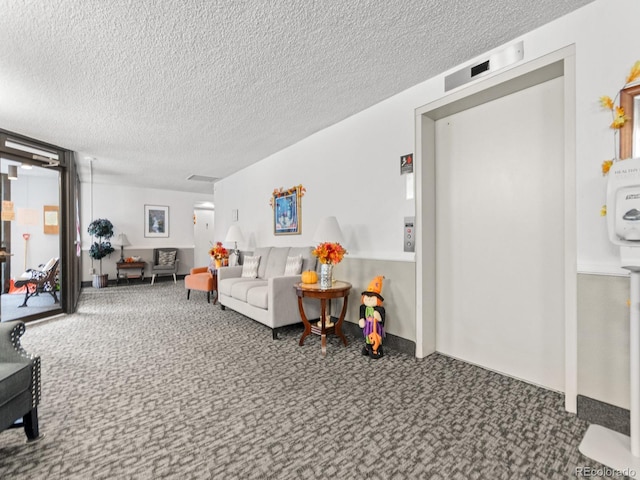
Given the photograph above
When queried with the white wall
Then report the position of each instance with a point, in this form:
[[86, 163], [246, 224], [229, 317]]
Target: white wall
[[124, 207], [33, 190], [351, 168]]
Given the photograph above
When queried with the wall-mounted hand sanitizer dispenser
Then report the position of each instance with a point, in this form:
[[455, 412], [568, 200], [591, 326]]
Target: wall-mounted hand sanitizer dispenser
[[623, 209]]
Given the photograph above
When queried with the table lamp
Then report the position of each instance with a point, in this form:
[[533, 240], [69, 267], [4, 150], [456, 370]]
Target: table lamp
[[234, 234], [121, 241], [329, 231]]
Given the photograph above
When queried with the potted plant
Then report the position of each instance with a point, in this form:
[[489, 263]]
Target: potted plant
[[103, 230]]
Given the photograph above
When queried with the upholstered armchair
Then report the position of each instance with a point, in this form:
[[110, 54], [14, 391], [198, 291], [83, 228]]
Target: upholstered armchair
[[165, 262], [19, 382], [201, 278]]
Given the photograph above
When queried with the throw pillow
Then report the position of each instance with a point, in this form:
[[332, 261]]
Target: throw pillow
[[167, 258], [293, 266], [250, 266]]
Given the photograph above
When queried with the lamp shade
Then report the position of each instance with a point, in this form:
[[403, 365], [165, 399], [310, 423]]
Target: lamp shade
[[121, 241], [234, 234], [329, 231]]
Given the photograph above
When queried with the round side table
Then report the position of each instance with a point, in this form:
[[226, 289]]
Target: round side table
[[326, 324]]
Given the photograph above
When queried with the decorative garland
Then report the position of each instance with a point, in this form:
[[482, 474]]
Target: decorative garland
[[619, 119], [280, 192]]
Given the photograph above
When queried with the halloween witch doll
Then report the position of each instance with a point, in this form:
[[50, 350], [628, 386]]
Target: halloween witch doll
[[372, 319]]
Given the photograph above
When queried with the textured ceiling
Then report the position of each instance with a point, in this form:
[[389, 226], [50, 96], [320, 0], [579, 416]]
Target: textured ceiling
[[159, 90]]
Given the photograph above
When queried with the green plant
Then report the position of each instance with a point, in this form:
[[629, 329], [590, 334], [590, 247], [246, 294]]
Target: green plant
[[103, 230]]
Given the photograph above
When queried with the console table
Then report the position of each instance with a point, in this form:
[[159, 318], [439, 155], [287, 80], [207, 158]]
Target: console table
[[130, 266], [327, 324]]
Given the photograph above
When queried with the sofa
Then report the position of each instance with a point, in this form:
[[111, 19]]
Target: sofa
[[19, 382], [269, 297]]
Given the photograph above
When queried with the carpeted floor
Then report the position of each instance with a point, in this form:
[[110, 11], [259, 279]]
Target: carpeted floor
[[141, 383]]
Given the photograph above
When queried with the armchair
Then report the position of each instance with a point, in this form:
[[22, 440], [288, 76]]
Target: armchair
[[165, 262], [19, 382], [37, 281], [201, 278]]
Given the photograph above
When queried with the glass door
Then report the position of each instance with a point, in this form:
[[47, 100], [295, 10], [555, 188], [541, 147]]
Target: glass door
[[30, 239]]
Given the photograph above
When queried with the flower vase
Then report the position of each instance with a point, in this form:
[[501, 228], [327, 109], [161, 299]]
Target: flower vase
[[326, 275], [218, 263]]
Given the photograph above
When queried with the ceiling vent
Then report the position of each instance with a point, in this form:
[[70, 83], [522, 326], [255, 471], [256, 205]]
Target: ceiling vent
[[202, 178]]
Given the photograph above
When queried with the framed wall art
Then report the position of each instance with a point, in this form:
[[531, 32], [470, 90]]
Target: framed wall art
[[287, 210], [51, 220], [156, 221], [630, 132]]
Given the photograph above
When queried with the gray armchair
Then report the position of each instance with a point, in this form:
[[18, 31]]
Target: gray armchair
[[165, 262], [19, 382]]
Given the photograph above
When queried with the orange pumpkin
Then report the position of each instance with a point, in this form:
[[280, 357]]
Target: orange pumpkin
[[309, 276]]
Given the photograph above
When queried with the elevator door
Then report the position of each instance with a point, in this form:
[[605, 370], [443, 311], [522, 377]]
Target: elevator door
[[499, 235]]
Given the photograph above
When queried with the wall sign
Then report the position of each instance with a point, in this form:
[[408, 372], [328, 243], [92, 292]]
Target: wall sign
[[406, 164]]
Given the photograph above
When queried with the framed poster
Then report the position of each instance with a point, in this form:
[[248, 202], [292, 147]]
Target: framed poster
[[156, 221], [287, 211]]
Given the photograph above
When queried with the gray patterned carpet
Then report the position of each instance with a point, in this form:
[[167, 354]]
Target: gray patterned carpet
[[143, 384]]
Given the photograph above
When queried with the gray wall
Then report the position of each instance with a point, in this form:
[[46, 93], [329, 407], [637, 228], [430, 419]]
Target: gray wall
[[398, 290], [109, 263], [603, 338]]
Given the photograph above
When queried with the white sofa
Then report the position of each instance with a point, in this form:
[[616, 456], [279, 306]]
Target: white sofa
[[270, 298]]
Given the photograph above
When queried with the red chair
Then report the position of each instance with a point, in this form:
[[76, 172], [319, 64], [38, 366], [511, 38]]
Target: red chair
[[201, 278]]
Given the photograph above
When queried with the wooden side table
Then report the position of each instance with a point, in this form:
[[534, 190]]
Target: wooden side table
[[328, 324], [130, 266], [214, 274]]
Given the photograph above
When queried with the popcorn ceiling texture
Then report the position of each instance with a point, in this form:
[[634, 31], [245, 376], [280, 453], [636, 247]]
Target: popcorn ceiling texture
[[164, 89]]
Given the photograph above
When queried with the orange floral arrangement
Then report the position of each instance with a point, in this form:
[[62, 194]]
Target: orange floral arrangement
[[328, 252], [219, 252]]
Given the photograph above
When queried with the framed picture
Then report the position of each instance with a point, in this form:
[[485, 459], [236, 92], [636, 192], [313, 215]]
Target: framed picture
[[51, 219], [630, 131], [156, 221], [287, 211]]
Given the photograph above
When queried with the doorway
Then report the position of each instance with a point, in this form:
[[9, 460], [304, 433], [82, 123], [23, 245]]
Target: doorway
[[499, 235], [30, 236], [202, 235], [431, 330]]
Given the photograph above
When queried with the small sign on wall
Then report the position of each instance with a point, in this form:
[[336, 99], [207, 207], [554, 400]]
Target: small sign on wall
[[406, 163], [8, 213], [51, 221]]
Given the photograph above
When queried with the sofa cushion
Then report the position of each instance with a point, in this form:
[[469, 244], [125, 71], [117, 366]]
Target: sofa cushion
[[277, 261], [308, 260], [259, 297], [293, 265], [250, 266], [264, 258], [15, 378], [239, 290], [225, 286]]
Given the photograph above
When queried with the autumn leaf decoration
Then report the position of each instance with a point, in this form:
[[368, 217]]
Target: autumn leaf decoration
[[618, 120], [281, 192]]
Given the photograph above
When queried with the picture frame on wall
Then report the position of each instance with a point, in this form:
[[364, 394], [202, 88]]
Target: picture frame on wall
[[287, 211], [156, 221]]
